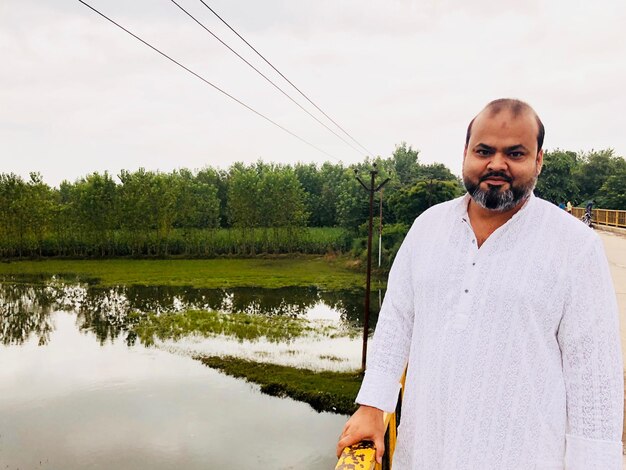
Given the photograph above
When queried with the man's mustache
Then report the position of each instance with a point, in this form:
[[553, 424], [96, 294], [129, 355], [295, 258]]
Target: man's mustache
[[496, 174]]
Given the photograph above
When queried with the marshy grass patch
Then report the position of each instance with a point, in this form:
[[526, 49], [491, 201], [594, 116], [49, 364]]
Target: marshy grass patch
[[265, 272], [330, 357], [324, 391], [242, 326]]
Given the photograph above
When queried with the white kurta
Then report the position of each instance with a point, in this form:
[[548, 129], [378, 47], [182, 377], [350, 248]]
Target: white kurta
[[513, 349]]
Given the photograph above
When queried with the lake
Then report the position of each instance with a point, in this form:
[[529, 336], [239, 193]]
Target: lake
[[78, 391]]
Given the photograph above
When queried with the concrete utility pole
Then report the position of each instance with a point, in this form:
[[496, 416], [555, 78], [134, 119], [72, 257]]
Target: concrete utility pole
[[380, 230], [371, 189]]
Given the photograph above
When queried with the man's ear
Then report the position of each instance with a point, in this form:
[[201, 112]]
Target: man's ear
[[539, 162], [464, 152]]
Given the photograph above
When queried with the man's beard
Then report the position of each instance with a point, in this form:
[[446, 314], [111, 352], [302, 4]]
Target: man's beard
[[494, 198]]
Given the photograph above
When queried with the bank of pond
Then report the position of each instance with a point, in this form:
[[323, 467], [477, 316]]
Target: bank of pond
[[324, 272]]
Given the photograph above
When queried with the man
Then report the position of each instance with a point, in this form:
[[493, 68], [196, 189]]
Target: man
[[503, 308]]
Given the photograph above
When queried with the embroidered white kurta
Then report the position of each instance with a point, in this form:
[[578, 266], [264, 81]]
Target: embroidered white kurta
[[513, 348]]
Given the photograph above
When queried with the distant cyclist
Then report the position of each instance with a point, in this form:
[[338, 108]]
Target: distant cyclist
[[588, 217]]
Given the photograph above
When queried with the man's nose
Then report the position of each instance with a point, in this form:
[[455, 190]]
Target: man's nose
[[497, 162]]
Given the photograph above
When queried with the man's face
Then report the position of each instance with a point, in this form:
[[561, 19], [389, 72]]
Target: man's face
[[501, 161]]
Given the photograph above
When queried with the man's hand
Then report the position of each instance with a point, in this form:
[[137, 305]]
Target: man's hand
[[366, 424]]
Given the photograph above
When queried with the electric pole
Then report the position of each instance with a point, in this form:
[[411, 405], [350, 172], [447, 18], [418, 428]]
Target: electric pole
[[380, 229], [371, 189]]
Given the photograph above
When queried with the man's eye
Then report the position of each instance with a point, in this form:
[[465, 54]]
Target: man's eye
[[516, 154], [483, 152]]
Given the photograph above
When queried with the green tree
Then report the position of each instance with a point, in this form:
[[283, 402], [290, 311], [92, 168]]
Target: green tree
[[39, 204], [410, 202], [612, 194], [218, 179], [556, 182], [331, 176], [352, 199], [282, 198], [311, 181], [95, 204], [25, 214], [197, 203], [243, 195], [405, 164], [594, 169], [14, 216], [436, 171], [137, 215], [67, 226]]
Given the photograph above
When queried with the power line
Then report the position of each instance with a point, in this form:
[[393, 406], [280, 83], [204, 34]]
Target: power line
[[286, 79], [209, 83], [264, 76]]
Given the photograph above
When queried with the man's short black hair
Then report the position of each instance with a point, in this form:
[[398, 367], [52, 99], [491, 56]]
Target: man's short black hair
[[516, 107]]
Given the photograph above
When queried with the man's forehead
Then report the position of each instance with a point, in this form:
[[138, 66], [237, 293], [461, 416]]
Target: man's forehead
[[505, 121], [506, 113]]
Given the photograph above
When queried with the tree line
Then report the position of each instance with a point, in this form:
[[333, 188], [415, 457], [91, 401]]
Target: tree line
[[256, 208], [598, 176]]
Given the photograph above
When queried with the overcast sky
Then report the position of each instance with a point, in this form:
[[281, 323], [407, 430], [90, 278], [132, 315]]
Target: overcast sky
[[79, 95]]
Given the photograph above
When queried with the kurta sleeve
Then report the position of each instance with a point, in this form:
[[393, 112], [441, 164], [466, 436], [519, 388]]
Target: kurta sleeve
[[388, 355], [592, 365]]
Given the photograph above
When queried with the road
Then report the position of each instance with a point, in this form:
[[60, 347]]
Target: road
[[615, 246]]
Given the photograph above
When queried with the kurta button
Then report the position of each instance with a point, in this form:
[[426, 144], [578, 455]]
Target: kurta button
[[473, 241], [466, 291], [473, 264]]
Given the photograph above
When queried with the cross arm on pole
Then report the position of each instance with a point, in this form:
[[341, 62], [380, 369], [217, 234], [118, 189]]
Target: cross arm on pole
[[381, 184], [362, 183]]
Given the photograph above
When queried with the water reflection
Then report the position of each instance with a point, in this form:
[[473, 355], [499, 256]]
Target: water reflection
[[24, 312], [26, 304], [74, 405]]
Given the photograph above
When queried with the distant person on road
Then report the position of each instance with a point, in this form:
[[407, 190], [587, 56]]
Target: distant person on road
[[569, 207], [562, 205], [589, 208], [503, 309]]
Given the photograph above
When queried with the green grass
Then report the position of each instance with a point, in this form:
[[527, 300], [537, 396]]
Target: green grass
[[324, 391], [271, 272], [238, 325], [189, 243]]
